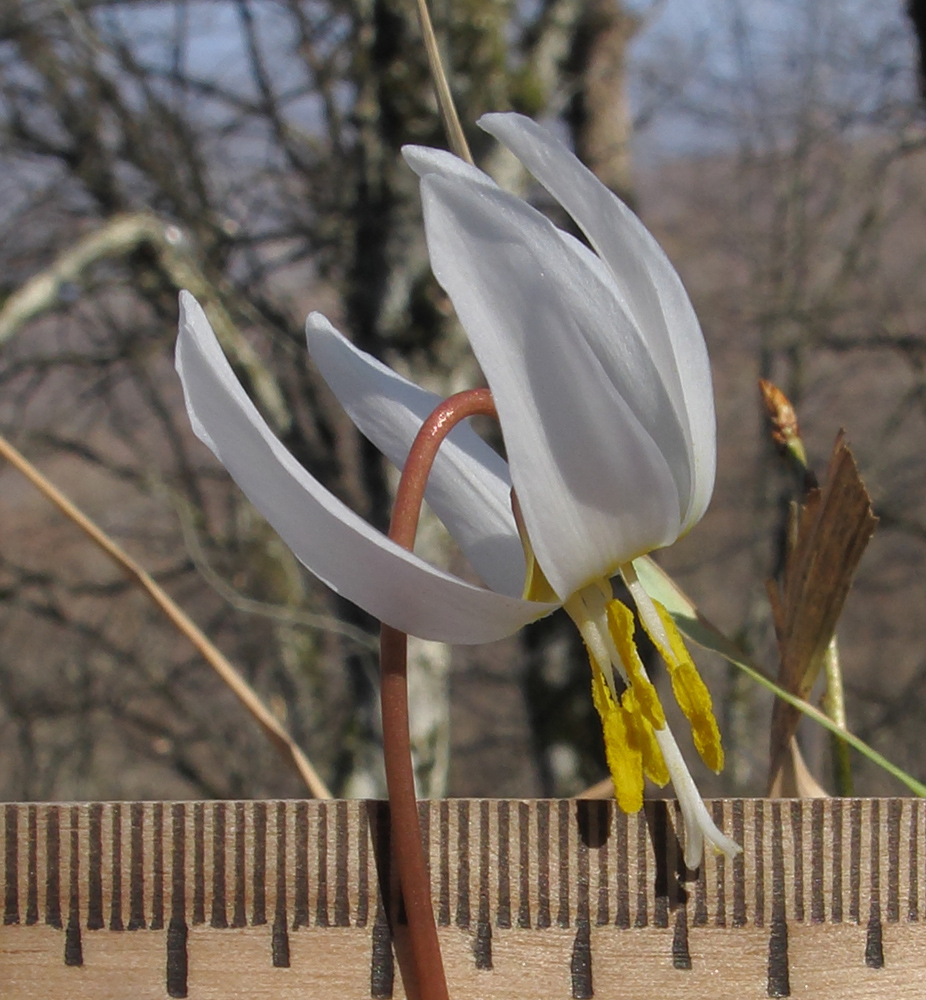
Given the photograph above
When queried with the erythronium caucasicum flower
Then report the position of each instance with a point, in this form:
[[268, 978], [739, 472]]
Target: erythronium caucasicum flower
[[600, 376]]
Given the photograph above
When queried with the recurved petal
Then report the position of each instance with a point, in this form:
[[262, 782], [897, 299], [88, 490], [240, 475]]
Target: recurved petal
[[425, 160], [334, 543], [469, 488], [593, 486], [648, 284]]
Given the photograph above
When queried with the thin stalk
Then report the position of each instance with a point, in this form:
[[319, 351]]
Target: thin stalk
[[407, 846], [448, 111], [275, 732], [834, 704]]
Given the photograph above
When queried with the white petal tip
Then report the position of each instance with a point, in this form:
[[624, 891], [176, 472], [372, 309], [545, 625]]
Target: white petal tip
[[699, 826], [702, 829]]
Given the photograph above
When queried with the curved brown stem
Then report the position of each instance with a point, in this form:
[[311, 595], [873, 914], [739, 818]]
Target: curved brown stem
[[400, 778]]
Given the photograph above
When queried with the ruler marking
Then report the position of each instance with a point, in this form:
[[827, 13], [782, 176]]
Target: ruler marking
[[424, 828], [11, 866], [199, 863], [678, 870], [259, 880], [52, 868], [564, 823], [177, 957], [32, 889], [482, 945], [817, 895], [157, 888], [462, 918], [382, 971], [363, 861], [779, 980], [443, 909], [874, 950], [321, 877], [869, 870], [301, 886], [912, 863], [836, 909], [739, 865], [622, 845], [73, 949], [218, 917], [720, 861], [759, 861], [239, 910], [341, 870], [524, 904], [601, 813], [681, 955], [279, 935], [136, 868], [642, 917], [797, 856], [855, 858], [503, 910], [580, 967], [115, 847], [894, 815], [586, 820], [382, 959], [543, 864], [95, 867], [657, 814]]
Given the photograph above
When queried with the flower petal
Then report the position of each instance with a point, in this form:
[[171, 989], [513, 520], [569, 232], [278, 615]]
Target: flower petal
[[469, 488], [425, 160], [339, 547], [649, 285], [593, 485]]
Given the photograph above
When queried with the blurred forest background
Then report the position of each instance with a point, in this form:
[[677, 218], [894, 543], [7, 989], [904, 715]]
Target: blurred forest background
[[249, 150]]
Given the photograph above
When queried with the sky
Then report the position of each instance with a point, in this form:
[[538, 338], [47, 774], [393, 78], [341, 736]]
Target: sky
[[700, 70]]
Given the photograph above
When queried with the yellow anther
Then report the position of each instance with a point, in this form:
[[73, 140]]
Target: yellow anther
[[624, 755], [690, 691], [640, 733], [621, 627]]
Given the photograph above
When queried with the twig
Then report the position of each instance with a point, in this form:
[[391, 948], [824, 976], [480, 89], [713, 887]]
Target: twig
[[248, 697]]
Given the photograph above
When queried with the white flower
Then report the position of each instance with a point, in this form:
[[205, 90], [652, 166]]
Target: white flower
[[602, 384]]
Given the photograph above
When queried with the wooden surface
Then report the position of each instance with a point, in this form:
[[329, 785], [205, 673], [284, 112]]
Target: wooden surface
[[534, 899]]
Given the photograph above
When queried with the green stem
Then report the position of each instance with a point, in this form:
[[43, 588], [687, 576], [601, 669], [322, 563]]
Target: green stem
[[834, 704]]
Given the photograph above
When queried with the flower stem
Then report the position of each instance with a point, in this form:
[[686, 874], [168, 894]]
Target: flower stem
[[400, 777]]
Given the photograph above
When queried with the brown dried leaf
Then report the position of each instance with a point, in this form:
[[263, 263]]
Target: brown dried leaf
[[834, 527]]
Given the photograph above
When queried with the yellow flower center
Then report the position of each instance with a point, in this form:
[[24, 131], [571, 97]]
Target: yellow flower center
[[629, 706]]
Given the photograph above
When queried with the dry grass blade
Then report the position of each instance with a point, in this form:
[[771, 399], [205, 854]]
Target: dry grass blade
[[248, 697], [834, 526], [448, 110]]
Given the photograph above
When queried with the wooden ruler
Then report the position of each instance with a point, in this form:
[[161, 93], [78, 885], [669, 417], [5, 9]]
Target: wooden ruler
[[533, 899]]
